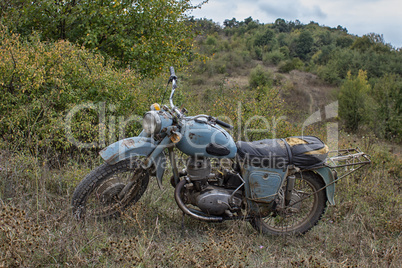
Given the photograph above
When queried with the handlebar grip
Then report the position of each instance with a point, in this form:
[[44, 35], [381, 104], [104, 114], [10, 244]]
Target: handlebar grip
[[172, 73], [224, 124]]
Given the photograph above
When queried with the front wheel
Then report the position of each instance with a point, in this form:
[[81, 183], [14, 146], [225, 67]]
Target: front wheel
[[109, 189], [303, 212]]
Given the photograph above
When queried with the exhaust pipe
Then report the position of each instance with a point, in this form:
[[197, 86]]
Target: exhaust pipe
[[186, 210]]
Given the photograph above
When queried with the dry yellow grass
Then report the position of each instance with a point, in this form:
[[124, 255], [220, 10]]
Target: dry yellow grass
[[36, 228]]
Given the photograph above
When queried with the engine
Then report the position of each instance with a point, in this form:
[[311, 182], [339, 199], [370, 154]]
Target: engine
[[217, 201], [214, 194]]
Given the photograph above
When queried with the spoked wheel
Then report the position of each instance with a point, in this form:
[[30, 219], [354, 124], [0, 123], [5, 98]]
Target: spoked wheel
[[303, 212], [109, 189]]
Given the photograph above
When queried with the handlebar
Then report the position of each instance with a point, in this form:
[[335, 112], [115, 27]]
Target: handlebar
[[219, 122], [224, 124], [173, 77], [172, 73]]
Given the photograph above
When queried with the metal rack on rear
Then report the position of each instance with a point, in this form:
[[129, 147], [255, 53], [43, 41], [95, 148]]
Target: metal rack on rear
[[351, 159]]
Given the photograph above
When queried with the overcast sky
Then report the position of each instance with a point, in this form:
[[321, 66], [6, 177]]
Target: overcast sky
[[359, 17]]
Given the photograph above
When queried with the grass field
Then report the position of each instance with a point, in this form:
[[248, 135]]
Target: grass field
[[363, 229]]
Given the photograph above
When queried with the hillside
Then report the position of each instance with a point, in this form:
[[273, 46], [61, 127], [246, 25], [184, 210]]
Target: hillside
[[63, 101], [300, 90], [309, 65]]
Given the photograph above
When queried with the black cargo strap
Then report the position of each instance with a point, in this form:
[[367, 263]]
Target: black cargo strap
[[290, 156]]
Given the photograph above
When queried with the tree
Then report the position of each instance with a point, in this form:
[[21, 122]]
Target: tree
[[343, 29], [388, 94], [344, 41], [205, 26], [281, 25], [248, 20], [231, 23], [304, 44], [143, 34], [41, 83], [353, 98], [362, 43], [265, 39], [325, 38]]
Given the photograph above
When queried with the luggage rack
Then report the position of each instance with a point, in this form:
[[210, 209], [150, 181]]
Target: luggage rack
[[351, 159]]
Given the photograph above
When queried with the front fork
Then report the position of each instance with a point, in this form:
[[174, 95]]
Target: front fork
[[172, 157]]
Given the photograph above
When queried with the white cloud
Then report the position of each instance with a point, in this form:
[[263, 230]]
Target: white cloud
[[289, 8]]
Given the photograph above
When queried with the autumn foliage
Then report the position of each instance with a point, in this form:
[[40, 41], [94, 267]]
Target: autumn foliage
[[141, 34], [42, 82]]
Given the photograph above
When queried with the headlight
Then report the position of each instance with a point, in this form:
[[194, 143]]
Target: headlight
[[151, 123]]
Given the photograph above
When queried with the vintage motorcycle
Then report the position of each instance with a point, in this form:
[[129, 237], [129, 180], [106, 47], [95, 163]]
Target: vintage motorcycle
[[281, 186]]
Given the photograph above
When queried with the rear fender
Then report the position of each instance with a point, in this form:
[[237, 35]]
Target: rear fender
[[328, 177], [134, 147]]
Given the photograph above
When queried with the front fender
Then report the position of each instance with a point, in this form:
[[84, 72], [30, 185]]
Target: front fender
[[328, 177], [130, 147], [133, 147]]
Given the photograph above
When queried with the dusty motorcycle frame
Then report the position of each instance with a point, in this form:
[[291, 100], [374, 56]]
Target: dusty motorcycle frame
[[272, 198]]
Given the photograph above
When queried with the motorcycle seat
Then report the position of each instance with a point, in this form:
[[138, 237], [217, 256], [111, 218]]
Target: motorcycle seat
[[302, 151]]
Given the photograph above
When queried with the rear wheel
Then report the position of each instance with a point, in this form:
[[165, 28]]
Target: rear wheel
[[303, 212], [109, 189]]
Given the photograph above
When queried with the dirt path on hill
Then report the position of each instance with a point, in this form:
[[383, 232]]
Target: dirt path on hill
[[318, 93], [305, 92]]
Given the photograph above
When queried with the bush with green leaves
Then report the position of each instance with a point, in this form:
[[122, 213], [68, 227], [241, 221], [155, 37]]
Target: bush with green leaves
[[334, 66], [353, 100], [290, 65], [274, 57], [210, 41], [146, 35], [44, 85], [260, 78], [304, 44], [255, 114], [387, 93], [265, 39]]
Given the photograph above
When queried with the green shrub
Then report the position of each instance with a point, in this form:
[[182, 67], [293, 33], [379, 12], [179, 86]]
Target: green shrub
[[388, 94], [286, 67], [274, 57], [344, 41], [258, 52], [285, 51], [260, 78], [265, 39], [235, 59], [255, 114], [353, 100], [144, 35], [329, 74], [304, 44], [210, 41], [44, 86]]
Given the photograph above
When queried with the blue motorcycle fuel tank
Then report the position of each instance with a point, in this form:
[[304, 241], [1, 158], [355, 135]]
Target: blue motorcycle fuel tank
[[201, 138]]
